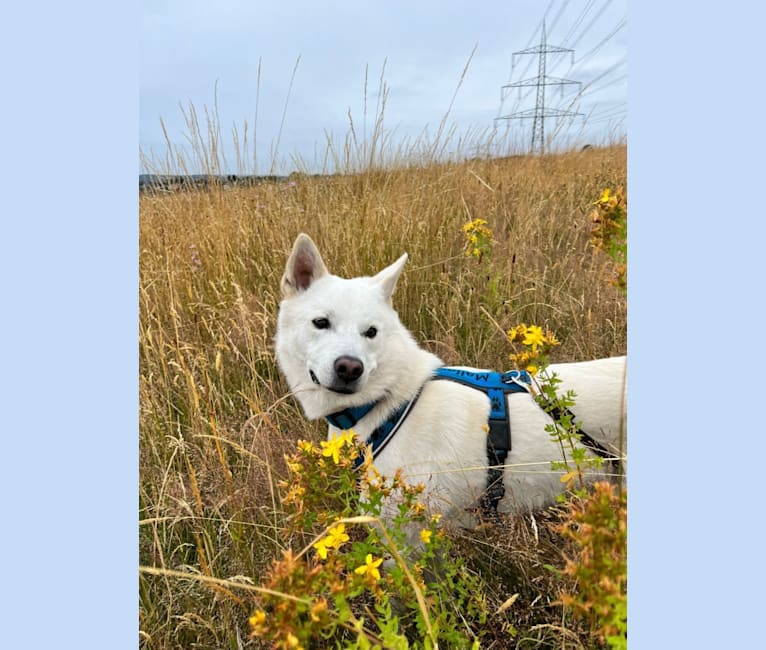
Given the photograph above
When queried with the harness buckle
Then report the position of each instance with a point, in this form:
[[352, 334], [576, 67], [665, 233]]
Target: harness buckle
[[520, 378]]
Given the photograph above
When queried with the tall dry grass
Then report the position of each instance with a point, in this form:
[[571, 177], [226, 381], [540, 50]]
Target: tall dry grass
[[215, 416]]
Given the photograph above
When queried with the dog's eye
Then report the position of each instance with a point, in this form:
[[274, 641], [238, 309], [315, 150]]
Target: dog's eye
[[371, 332], [321, 323]]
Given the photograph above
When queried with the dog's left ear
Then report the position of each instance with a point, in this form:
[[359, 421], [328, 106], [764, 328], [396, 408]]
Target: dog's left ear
[[388, 276]]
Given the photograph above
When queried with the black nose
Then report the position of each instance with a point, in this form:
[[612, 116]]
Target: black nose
[[348, 369]]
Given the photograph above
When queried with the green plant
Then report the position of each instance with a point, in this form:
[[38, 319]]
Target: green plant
[[335, 589], [610, 232], [597, 523], [536, 347], [478, 238], [595, 519]]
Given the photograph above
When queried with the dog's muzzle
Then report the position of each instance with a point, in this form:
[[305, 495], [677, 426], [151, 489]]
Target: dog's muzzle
[[347, 372]]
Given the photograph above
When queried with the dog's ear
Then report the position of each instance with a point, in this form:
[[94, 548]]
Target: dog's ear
[[388, 276], [304, 266]]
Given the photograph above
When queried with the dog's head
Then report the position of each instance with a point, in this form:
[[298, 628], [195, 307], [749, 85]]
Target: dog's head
[[339, 341]]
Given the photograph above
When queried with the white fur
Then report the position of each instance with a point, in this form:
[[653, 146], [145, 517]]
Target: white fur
[[443, 441]]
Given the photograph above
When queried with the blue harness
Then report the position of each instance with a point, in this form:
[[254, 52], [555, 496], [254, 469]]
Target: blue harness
[[381, 436], [496, 385]]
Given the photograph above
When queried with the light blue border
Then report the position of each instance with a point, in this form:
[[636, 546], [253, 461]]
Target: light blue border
[[69, 325], [695, 326]]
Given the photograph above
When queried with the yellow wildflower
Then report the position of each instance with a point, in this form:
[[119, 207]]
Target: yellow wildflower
[[257, 619], [367, 466], [370, 567], [425, 536], [534, 336], [478, 238], [296, 493], [306, 446], [551, 339], [336, 536], [292, 641], [517, 333], [522, 359], [538, 344], [605, 196], [321, 548], [331, 448], [293, 466]]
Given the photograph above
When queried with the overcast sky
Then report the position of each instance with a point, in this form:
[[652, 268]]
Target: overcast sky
[[189, 47]]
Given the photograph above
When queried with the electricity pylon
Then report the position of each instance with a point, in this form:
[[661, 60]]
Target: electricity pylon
[[539, 112]]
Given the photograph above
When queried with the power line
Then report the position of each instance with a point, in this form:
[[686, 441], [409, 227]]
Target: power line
[[599, 13], [603, 42], [565, 42], [578, 20], [556, 59], [540, 113], [592, 22], [589, 88], [558, 15]]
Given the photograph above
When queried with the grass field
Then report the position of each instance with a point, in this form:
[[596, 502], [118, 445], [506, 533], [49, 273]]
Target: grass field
[[215, 416]]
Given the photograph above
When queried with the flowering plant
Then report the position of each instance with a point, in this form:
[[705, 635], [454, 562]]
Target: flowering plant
[[342, 585], [609, 232]]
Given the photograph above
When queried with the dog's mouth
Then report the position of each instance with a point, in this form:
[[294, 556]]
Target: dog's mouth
[[342, 390]]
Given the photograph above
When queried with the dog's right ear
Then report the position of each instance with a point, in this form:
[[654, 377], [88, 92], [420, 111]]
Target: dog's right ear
[[304, 266]]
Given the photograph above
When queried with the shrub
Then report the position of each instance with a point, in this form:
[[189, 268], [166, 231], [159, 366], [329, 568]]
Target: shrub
[[336, 589], [597, 523]]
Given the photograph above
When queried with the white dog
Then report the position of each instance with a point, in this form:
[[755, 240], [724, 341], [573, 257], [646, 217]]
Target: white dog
[[347, 357]]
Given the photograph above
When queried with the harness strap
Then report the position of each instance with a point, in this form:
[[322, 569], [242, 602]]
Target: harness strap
[[383, 434], [496, 386], [587, 440], [347, 418]]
